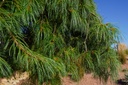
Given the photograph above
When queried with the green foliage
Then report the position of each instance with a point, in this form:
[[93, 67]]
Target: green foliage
[[5, 69], [51, 39], [108, 62]]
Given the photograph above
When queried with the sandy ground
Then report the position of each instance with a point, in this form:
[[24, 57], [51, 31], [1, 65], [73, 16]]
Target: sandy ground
[[86, 80]]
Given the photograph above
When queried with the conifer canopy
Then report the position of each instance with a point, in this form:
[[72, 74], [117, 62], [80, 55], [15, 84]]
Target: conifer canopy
[[54, 38]]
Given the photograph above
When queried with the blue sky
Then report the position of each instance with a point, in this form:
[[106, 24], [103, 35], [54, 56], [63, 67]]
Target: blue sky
[[115, 12]]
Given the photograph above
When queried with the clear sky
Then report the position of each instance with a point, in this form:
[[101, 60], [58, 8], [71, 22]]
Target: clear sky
[[115, 12]]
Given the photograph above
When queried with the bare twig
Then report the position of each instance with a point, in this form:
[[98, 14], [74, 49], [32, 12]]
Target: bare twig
[[2, 3]]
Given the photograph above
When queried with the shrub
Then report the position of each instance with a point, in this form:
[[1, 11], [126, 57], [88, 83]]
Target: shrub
[[122, 53], [126, 51]]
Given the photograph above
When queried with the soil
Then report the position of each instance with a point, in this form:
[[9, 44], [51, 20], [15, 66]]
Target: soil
[[87, 79]]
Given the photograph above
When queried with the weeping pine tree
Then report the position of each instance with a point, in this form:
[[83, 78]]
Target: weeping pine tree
[[53, 38]]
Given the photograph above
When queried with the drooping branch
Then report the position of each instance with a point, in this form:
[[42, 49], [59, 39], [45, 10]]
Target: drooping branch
[[35, 62]]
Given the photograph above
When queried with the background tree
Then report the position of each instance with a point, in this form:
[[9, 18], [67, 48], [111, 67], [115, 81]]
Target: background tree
[[53, 38]]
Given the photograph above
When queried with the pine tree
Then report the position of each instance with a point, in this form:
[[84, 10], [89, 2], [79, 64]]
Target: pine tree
[[53, 38]]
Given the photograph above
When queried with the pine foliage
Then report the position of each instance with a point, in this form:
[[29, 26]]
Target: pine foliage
[[53, 38]]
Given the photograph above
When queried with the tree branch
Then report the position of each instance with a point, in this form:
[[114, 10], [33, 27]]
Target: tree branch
[[2, 3]]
